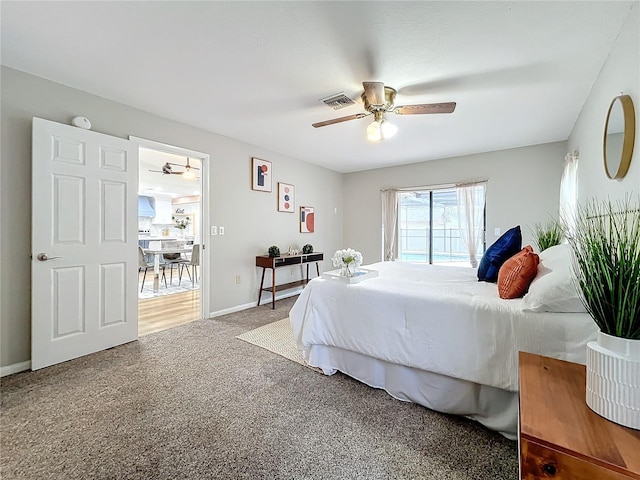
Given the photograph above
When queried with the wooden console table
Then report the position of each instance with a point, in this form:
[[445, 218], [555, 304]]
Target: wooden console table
[[266, 261], [560, 436]]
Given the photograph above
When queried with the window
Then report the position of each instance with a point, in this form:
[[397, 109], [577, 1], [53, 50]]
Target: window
[[432, 225], [569, 191]]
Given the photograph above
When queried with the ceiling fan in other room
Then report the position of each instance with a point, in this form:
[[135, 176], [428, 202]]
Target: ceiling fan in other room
[[378, 100], [167, 169]]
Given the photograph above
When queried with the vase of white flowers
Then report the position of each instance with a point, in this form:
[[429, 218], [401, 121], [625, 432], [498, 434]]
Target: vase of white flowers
[[348, 260], [181, 225]]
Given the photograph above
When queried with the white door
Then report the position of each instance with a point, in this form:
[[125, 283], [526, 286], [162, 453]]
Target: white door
[[84, 242]]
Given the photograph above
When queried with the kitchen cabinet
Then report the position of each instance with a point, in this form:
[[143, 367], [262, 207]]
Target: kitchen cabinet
[[163, 211]]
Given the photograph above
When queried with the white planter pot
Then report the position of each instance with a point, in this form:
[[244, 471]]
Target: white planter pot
[[613, 379]]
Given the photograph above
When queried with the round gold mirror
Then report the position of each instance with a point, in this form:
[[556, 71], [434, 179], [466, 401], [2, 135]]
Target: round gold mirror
[[619, 136]]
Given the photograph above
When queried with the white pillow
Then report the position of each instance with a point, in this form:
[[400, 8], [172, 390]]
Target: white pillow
[[553, 289]]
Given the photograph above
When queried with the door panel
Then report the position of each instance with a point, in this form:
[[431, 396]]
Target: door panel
[[68, 209], [113, 293], [67, 314], [84, 218], [113, 203]]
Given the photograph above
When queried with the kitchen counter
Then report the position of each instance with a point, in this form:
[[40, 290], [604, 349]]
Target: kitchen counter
[[150, 238]]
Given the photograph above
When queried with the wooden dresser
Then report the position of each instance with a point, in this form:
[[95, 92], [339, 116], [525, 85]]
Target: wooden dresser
[[560, 436]]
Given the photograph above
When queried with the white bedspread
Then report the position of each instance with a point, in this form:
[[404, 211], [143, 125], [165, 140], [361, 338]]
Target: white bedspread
[[435, 318]]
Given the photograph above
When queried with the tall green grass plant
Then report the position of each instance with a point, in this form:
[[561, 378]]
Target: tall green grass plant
[[606, 247], [547, 234]]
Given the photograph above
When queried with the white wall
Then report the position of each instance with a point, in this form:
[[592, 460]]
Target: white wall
[[620, 73], [523, 188], [251, 220]]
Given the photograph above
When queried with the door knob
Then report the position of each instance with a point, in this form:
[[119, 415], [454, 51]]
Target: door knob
[[43, 257]]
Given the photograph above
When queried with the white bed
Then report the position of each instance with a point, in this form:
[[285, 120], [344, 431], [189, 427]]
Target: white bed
[[433, 335]]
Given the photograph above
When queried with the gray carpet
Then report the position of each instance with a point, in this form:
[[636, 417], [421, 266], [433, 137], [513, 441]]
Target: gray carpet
[[194, 402]]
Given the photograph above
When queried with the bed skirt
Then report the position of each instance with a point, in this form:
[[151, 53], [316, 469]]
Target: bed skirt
[[494, 408]]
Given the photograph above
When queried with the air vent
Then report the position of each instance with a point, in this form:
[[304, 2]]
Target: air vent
[[338, 101]]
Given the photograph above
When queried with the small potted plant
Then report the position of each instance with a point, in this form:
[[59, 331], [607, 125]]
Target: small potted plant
[[274, 251], [606, 248]]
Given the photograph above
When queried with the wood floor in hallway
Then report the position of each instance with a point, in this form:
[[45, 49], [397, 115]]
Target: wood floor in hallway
[[167, 311]]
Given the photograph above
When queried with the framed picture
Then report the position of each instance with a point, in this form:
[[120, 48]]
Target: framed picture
[[307, 220], [260, 175], [286, 197]]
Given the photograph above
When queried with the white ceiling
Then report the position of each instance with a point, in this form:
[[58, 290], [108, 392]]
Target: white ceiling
[[153, 182], [519, 71]]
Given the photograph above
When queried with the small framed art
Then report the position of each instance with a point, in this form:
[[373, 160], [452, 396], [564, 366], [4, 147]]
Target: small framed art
[[260, 175], [307, 220], [286, 197]]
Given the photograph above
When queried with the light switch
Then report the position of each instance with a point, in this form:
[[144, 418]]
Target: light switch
[[214, 230], [221, 230]]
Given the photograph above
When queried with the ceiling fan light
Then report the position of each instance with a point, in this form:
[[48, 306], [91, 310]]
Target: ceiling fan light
[[188, 174], [387, 129], [374, 132], [380, 129]]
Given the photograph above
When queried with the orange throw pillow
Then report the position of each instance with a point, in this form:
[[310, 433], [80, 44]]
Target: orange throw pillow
[[517, 273]]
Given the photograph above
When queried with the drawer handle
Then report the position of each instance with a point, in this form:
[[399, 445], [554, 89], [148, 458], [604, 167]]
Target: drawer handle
[[549, 468]]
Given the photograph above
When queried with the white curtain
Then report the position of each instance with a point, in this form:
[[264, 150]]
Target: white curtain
[[569, 191], [471, 199], [390, 223]]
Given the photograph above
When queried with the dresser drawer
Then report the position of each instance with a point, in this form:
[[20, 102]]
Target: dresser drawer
[[541, 462]]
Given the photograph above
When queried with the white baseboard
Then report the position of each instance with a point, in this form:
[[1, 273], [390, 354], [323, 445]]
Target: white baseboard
[[15, 368], [237, 308], [23, 366]]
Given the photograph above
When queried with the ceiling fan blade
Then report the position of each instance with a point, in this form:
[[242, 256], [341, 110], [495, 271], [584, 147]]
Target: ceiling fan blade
[[374, 91], [180, 165], [425, 108], [339, 120]]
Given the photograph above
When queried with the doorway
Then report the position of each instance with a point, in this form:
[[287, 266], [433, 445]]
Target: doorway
[[172, 226]]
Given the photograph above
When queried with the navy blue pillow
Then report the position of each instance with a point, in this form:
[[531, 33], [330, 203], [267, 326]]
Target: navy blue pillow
[[502, 250]]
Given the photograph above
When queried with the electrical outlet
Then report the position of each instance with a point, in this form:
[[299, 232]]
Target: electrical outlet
[[221, 230], [237, 279], [496, 232]]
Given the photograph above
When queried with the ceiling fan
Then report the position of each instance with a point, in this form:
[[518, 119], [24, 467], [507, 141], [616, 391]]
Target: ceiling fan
[[167, 169], [378, 100]]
